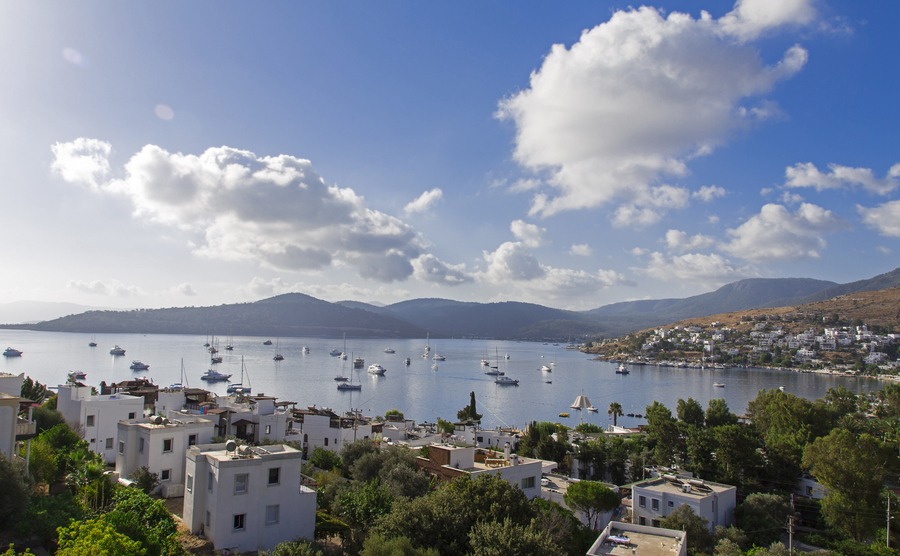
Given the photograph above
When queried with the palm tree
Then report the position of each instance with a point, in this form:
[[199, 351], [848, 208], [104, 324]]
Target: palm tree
[[615, 409]]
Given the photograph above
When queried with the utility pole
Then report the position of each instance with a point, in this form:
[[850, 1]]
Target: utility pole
[[887, 536]]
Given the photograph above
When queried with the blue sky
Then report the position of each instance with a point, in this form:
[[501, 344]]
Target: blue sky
[[197, 153]]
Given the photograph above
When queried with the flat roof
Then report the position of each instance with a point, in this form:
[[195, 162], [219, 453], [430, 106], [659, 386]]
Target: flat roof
[[698, 488], [644, 542]]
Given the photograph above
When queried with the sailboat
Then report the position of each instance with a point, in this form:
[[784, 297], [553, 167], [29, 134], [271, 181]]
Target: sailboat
[[278, 356], [92, 343], [239, 387], [494, 370], [184, 383], [427, 353], [344, 384]]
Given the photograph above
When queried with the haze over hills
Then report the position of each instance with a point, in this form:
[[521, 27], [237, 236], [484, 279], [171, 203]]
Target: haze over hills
[[298, 314]]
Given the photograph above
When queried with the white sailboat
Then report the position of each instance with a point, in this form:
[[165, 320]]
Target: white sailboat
[[240, 387]]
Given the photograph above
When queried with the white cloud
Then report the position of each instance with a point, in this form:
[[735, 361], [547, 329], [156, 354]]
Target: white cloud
[[164, 112], [789, 198], [710, 270], [885, 218], [750, 18], [709, 193], [529, 234], [429, 268], [581, 250], [275, 210], [512, 261], [806, 174], [677, 240], [424, 202], [712, 219], [109, 288], [624, 108], [186, 289], [776, 233], [884, 250], [84, 161]]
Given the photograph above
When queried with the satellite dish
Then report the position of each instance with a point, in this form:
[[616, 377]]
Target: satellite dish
[[231, 445]]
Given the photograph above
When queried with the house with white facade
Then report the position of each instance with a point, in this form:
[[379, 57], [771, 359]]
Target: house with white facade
[[96, 417], [654, 499], [253, 418], [320, 427], [448, 461], [627, 538], [246, 498], [160, 443]]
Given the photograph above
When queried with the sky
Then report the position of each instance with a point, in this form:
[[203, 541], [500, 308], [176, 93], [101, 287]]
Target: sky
[[170, 154]]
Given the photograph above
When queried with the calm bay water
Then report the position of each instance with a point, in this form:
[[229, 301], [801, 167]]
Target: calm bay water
[[422, 393]]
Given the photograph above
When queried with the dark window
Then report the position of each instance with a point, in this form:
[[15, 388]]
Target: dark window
[[274, 475], [167, 444], [239, 521]]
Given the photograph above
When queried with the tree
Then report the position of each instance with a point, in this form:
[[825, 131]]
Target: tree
[[361, 505], [145, 520], [394, 413], [96, 537], [324, 459], [15, 489], [615, 410], [763, 517], [469, 412], [144, 479], [495, 538], [690, 412], [356, 450], [295, 548], [683, 518], [718, 414], [445, 427], [662, 433], [565, 530], [33, 390], [852, 469], [45, 514], [592, 498], [376, 545]]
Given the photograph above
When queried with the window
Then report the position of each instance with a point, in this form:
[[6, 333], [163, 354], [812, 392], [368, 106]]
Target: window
[[268, 430], [641, 520], [131, 415], [109, 443], [655, 523], [642, 501], [192, 440], [189, 484], [208, 519], [239, 520], [326, 442], [167, 445], [528, 482], [274, 475], [272, 514], [89, 421], [141, 445], [240, 483], [121, 446], [654, 504], [165, 474], [210, 479], [671, 503]]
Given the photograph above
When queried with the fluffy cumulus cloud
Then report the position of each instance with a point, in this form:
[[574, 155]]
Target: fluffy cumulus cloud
[[429, 268], [529, 234], [885, 218], [514, 267], [709, 193], [275, 210], [708, 270], [581, 250], [610, 119], [108, 288], [676, 240], [806, 174], [424, 202], [186, 289], [778, 234]]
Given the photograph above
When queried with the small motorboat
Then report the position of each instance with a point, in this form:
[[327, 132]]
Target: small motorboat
[[349, 386], [376, 369], [138, 366], [718, 385], [117, 351], [506, 381], [12, 352], [564, 414], [389, 350]]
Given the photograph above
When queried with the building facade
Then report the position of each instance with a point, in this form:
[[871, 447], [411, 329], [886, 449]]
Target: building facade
[[654, 499], [96, 417]]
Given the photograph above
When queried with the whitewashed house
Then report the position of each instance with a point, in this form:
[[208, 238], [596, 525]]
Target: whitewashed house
[[160, 443], [447, 461], [96, 417], [247, 499], [323, 428], [253, 418], [654, 499]]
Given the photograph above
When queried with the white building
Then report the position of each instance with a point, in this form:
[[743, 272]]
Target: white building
[[627, 538], [654, 499], [160, 444], [323, 428], [96, 417], [9, 421], [249, 498], [447, 461], [253, 418], [12, 384]]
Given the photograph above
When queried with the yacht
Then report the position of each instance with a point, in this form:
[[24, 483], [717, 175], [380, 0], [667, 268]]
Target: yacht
[[493, 371], [213, 375], [305, 350], [267, 343], [439, 357], [349, 386], [341, 378], [546, 368], [376, 369], [76, 375], [718, 385], [138, 366], [506, 381], [215, 359], [335, 352], [622, 369], [389, 350], [117, 351], [12, 352], [359, 363], [278, 357]]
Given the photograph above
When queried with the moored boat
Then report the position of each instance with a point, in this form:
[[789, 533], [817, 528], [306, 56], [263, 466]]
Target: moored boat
[[506, 381], [117, 351], [349, 386], [12, 352], [376, 369], [213, 375], [138, 366]]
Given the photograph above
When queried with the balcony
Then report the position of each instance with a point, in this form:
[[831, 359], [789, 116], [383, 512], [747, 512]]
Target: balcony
[[25, 430]]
